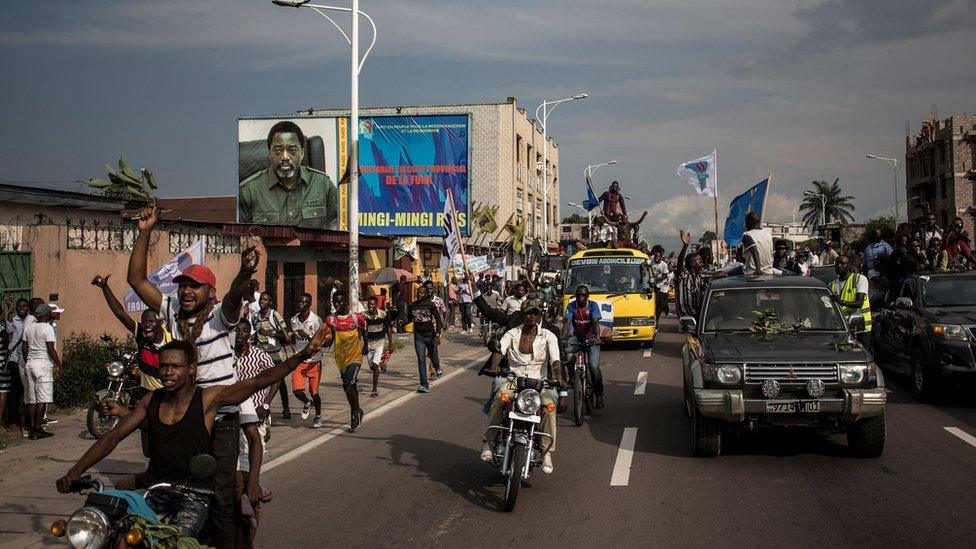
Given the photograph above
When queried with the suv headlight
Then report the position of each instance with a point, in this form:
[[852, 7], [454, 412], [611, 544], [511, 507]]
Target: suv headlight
[[728, 375], [529, 401], [949, 331], [88, 527], [853, 373], [115, 369]]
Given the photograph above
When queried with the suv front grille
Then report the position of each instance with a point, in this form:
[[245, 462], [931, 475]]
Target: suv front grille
[[790, 373]]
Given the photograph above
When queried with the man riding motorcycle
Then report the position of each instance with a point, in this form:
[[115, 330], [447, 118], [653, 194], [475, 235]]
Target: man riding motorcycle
[[583, 319], [179, 419], [528, 348]]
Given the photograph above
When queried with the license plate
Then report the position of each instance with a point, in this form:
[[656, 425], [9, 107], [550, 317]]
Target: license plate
[[618, 333], [792, 406], [531, 418]]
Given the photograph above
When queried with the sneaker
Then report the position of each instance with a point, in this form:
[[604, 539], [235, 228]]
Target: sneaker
[[440, 372], [487, 454], [286, 415], [423, 389], [374, 394], [25, 433], [306, 410], [547, 464], [39, 434], [317, 422], [599, 402], [356, 419]]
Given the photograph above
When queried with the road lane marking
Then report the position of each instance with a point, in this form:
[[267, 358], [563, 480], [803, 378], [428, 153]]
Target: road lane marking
[[966, 437], [373, 414], [625, 454], [647, 353], [641, 383]]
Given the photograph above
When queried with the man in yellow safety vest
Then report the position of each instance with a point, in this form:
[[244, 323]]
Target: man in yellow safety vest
[[850, 291]]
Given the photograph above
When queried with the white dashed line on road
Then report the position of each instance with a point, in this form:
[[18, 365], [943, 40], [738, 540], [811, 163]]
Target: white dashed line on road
[[966, 437], [647, 353], [625, 454], [641, 383]]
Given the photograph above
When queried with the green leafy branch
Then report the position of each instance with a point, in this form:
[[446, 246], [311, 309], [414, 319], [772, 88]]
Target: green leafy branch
[[768, 325], [125, 183]]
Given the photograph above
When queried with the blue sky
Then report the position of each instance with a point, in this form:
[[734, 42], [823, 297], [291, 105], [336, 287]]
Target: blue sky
[[804, 89]]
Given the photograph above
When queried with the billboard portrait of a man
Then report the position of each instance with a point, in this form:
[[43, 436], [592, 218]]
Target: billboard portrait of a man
[[288, 192]]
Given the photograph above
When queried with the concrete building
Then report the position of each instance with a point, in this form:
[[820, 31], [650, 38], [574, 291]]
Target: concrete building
[[574, 232], [505, 160], [939, 170], [788, 231]]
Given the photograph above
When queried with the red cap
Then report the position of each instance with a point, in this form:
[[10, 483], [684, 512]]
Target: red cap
[[198, 273]]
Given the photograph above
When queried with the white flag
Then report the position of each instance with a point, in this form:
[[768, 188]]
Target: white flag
[[452, 243], [701, 174]]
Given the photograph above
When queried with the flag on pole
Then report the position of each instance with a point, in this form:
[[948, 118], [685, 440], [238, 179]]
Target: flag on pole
[[591, 202], [700, 174], [452, 240], [163, 277], [750, 201]]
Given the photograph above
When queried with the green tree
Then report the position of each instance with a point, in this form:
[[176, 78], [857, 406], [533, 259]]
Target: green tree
[[835, 206], [124, 183], [707, 237], [886, 223], [575, 218]]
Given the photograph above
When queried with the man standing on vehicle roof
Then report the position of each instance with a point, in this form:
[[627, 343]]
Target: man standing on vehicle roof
[[757, 244], [850, 291], [583, 319], [614, 204]]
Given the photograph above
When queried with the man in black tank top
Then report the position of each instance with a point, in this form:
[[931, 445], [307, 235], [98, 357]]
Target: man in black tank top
[[179, 419]]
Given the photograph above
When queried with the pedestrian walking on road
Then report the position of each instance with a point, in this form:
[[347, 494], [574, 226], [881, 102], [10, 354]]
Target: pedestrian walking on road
[[43, 365], [349, 330], [272, 336], [466, 298], [452, 302], [379, 336], [304, 325], [427, 326], [692, 282]]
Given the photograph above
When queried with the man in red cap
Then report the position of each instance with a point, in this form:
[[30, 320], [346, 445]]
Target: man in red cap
[[191, 314]]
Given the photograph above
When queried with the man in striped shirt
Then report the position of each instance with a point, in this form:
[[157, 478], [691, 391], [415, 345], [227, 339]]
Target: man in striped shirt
[[692, 280], [191, 315]]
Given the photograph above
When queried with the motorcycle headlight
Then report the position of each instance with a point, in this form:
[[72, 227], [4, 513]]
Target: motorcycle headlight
[[115, 369], [728, 375], [88, 528], [529, 401], [853, 373], [949, 331]]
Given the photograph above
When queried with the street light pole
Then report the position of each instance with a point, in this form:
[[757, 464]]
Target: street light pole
[[893, 162], [547, 107], [588, 173], [355, 67]]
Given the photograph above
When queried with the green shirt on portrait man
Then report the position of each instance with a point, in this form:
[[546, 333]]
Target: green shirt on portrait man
[[313, 203]]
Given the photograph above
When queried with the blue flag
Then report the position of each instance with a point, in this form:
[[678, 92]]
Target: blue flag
[[591, 201], [749, 201]]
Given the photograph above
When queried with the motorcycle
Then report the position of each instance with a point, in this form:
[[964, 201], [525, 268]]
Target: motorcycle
[[123, 387], [99, 521], [584, 399], [520, 447]]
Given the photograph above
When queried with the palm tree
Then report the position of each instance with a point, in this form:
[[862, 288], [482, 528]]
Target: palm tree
[[834, 206]]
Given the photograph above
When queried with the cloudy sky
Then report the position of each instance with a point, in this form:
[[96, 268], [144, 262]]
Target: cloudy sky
[[802, 89]]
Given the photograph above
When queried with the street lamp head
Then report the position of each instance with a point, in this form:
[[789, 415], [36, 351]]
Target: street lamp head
[[612, 162], [581, 96], [290, 3], [870, 156]]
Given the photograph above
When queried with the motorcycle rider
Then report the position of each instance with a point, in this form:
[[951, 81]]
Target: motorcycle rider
[[583, 318], [528, 348], [179, 419]]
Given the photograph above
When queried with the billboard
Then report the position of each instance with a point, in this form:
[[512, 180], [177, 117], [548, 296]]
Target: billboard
[[283, 183], [407, 163]]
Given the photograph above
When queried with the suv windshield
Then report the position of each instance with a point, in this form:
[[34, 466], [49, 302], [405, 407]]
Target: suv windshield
[[948, 291], [735, 310], [604, 275]]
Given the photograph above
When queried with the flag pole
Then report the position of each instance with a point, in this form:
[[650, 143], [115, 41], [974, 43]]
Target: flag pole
[[769, 183], [718, 250]]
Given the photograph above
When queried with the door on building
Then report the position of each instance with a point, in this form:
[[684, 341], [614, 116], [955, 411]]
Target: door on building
[[16, 275], [294, 285], [271, 282]]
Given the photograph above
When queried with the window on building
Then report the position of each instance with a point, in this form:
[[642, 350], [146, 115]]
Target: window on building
[[101, 237], [215, 243], [518, 195], [567, 229], [945, 189]]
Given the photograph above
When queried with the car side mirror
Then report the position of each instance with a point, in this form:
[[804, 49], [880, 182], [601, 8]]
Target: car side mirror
[[904, 303], [856, 324], [688, 325]]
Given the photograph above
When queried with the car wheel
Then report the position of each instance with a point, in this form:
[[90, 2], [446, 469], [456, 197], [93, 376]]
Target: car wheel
[[924, 382], [706, 435], [866, 438]]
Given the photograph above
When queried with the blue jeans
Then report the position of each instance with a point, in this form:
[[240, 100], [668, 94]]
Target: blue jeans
[[425, 346], [465, 316], [593, 364]]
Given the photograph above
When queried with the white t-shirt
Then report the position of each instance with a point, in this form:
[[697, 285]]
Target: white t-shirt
[[762, 241], [310, 325], [662, 275], [512, 304], [545, 350], [861, 284], [38, 335], [606, 232], [215, 346]]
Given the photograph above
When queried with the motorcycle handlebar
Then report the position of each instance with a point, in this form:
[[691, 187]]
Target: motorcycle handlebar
[[86, 483]]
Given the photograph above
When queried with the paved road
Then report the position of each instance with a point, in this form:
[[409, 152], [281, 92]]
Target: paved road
[[412, 477]]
